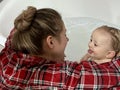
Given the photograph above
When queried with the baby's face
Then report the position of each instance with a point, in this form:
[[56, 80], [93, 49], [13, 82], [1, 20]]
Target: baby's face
[[100, 44]]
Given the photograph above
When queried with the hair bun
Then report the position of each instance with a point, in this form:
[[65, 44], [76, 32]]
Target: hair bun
[[24, 20]]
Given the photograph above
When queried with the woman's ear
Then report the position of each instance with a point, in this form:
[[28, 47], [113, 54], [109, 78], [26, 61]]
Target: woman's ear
[[110, 54], [50, 41]]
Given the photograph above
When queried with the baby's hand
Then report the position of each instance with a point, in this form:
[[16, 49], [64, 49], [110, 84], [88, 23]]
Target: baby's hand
[[85, 57]]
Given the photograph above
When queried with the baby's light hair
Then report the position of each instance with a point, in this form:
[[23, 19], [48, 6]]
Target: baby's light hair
[[115, 36]]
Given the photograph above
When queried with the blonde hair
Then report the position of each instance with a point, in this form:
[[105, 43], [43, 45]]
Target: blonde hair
[[33, 26], [115, 37]]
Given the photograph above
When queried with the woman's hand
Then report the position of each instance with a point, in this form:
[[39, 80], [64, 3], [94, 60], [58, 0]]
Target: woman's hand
[[85, 57]]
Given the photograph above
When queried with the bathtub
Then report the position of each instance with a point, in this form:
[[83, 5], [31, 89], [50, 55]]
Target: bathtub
[[80, 18]]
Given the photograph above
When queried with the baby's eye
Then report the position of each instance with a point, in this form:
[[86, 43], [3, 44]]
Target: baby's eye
[[95, 45]]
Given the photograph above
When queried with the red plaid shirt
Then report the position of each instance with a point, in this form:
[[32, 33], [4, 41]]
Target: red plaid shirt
[[21, 71]]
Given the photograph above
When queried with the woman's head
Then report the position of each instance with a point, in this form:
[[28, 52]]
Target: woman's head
[[105, 42], [33, 27]]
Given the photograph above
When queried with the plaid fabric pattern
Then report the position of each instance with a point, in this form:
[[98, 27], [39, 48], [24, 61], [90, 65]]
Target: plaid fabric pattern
[[24, 72]]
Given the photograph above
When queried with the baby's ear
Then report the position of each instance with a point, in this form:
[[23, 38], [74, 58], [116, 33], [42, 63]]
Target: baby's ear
[[110, 54]]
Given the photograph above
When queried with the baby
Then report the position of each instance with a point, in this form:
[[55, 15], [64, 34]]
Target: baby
[[104, 44]]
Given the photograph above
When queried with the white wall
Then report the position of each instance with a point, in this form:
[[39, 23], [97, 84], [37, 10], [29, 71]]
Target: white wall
[[107, 10]]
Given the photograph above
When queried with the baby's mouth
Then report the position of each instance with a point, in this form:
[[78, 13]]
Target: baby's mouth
[[90, 51]]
